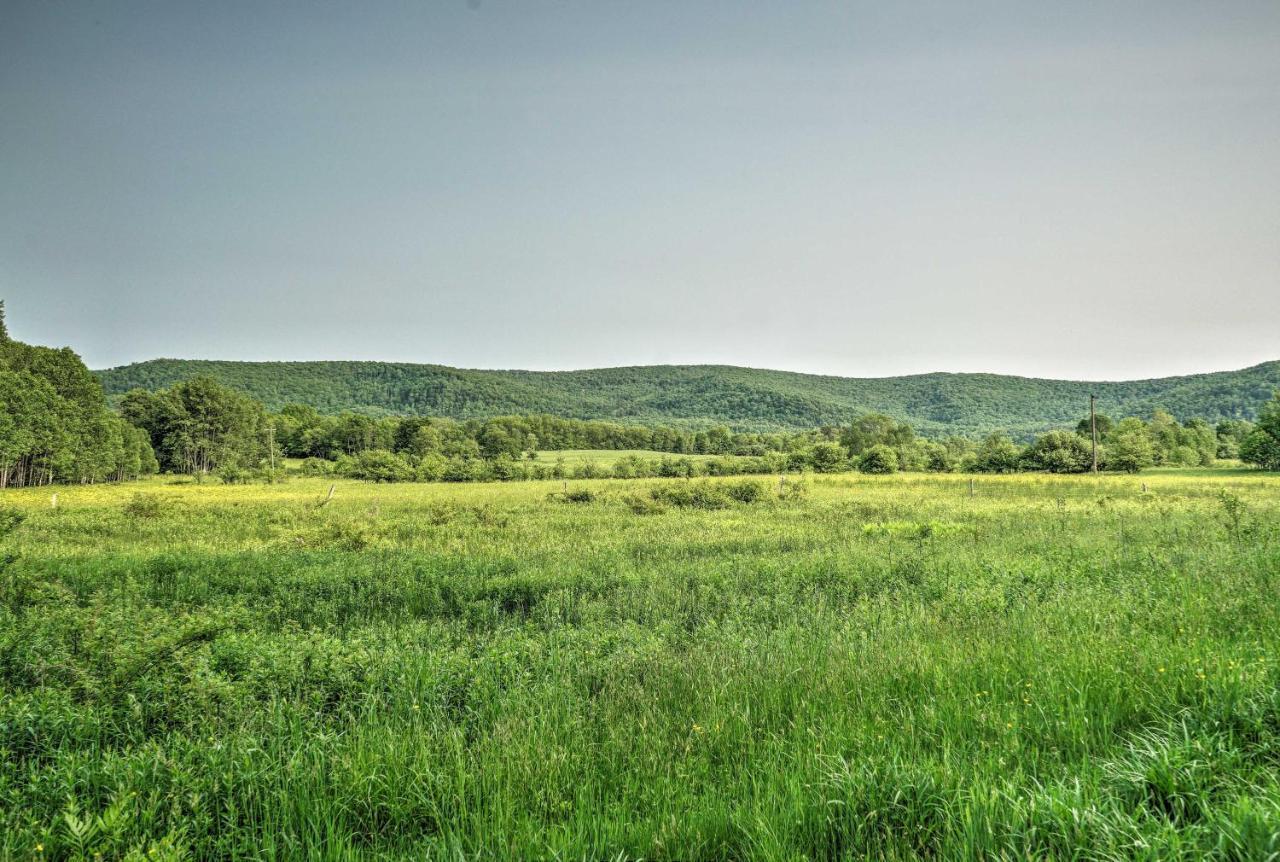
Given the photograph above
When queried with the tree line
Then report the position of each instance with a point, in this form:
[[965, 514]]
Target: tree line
[[201, 426], [56, 427], [745, 399]]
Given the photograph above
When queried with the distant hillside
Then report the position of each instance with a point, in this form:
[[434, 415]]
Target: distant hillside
[[700, 395]]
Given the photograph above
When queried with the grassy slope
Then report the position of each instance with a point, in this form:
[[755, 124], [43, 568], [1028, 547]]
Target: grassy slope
[[1056, 667], [742, 397]]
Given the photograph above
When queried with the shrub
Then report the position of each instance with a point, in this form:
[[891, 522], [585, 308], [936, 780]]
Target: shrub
[[878, 459], [376, 465], [142, 505], [793, 491], [588, 470], [507, 469], [231, 474], [577, 495], [316, 467], [642, 505], [827, 458], [688, 495], [745, 492], [10, 520]]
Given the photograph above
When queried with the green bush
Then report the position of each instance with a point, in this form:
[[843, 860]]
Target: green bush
[[376, 465], [746, 492], [879, 459], [692, 495], [143, 505], [316, 467], [575, 495]]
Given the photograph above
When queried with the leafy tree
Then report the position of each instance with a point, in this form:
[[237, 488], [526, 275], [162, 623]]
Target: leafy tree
[[1261, 450], [1164, 432], [875, 429], [54, 421], [426, 440], [939, 458], [301, 431], [1262, 447], [1201, 439], [1104, 423], [353, 433], [879, 458], [996, 454], [497, 440], [1130, 449], [1059, 452], [827, 457], [1231, 433], [200, 425]]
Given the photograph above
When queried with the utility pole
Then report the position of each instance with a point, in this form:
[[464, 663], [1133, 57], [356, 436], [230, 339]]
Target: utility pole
[[271, 446], [1093, 429]]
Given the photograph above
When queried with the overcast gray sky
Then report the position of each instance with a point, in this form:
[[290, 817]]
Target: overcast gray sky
[[1070, 189]]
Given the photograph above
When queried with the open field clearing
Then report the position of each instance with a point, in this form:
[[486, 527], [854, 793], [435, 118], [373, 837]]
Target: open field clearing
[[847, 666], [608, 457]]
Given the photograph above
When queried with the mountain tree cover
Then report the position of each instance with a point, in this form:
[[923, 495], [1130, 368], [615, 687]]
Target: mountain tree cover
[[55, 425], [699, 397]]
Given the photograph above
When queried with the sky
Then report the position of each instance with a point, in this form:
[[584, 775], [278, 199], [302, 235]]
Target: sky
[[1087, 190]]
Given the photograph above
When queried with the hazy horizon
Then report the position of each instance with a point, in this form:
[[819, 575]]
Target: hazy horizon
[[851, 189]]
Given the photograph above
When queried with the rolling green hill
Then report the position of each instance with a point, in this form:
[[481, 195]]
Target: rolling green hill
[[700, 395]]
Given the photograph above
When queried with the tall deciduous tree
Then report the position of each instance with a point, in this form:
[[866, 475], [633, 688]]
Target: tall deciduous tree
[[54, 421], [200, 425], [1262, 447]]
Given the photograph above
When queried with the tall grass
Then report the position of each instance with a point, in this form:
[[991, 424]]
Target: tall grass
[[882, 667]]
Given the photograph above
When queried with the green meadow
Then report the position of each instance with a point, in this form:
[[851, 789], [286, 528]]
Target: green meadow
[[608, 457], [839, 667]]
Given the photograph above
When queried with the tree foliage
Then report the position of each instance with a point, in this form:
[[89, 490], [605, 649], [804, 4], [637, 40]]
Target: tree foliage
[[201, 426], [879, 458], [700, 397], [1262, 446], [54, 422], [1058, 452]]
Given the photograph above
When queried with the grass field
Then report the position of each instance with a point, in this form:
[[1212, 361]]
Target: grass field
[[608, 457], [867, 667]]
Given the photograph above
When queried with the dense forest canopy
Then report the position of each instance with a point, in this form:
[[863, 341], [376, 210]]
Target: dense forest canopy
[[745, 399], [54, 422]]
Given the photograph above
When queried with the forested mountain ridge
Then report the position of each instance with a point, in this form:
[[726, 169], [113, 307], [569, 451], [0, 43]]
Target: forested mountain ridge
[[702, 395]]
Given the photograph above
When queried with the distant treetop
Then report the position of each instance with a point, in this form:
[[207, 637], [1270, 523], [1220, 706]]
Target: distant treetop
[[703, 396]]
